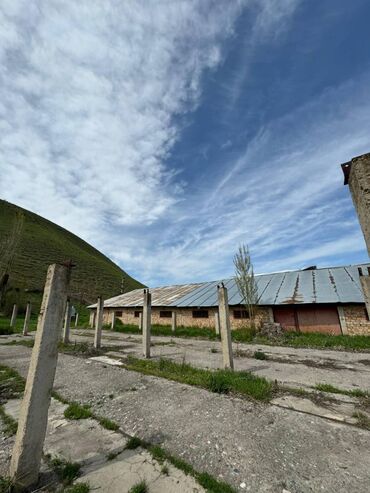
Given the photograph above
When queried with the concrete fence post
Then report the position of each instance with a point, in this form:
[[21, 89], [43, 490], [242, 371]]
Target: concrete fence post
[[33, 417], [76, 319], [98, 322], [27, 317], [92, 319], [67, 322], [13, 320], [223, 310], [113, 321], [146, 323], [141, 321], [217, 323], [174, 321]]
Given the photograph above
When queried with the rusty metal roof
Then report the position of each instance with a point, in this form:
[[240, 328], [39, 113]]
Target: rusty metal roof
[[326, 285]]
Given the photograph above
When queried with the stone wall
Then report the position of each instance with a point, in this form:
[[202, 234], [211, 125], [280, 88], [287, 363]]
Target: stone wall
[[184, 317], [356, 320], [359, 184]]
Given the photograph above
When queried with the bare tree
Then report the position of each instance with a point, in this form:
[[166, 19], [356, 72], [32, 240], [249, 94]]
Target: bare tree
[[246, 282]]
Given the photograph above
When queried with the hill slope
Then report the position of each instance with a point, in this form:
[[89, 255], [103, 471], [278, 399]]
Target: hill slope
[[29, 243]]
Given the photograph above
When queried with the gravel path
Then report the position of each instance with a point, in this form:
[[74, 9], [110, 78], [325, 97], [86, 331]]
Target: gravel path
[[255, 447]]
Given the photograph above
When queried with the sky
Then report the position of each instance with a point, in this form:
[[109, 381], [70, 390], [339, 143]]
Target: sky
[[167, 133]]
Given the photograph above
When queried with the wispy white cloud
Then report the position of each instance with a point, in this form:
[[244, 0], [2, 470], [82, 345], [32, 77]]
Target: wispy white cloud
[[90, 99]]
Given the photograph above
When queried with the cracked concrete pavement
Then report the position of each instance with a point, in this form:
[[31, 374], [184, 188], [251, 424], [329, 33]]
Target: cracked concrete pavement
[[253, 446]]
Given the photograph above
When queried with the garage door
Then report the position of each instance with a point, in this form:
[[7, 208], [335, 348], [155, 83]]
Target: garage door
[[309, 318]]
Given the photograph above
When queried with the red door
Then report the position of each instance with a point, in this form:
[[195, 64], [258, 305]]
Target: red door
[[323, 319], [286, 317], [308, 318]]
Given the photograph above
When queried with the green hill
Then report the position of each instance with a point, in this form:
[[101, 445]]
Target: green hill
[[29, 243]]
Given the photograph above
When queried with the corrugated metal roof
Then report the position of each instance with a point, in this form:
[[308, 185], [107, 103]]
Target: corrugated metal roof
[[327, 285]]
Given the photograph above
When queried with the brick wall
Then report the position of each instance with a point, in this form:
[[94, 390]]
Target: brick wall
[[184, 316], [356, 320]]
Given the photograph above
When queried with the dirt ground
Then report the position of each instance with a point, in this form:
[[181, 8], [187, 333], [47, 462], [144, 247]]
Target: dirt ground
[[255, 447]]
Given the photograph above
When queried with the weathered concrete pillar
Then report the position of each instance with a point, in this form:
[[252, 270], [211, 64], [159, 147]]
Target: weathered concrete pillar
[[270, 312], [92, 318], [141, 321], [33, 417], [217, 323], [174, 321], [67, 322], [342, 320], [13, 320], [357, 176], [146, 323], [113, 320], [27, 317], [223, 310], [76, 319], [98, 322]]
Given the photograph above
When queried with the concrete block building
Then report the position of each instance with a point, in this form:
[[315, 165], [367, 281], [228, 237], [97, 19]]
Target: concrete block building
[[328, 300]]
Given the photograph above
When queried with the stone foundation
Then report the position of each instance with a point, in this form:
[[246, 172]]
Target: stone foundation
[[356, 320], [184, 317]]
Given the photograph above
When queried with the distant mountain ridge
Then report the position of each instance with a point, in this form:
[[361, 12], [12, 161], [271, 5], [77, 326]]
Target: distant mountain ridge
[[29, 243]]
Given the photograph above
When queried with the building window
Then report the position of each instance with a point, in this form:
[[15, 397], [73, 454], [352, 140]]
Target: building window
[[165, 313], [200, 313], [137, 313], [241, 314], [118, 314]]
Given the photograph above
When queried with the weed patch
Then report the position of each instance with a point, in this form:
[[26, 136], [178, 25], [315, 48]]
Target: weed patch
[[362, 420], [260, 355], [220, 381], [78, 411], [326, 387], [78, 488], [6, 485], [133, 443], [66, 471], [141, 487], [10, 424], [11, 383], [106, 423]]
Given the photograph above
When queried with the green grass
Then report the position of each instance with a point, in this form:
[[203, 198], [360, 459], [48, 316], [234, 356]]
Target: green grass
[[18, 328], [166, 330], [11, 383], [66, 471], [249, 336], [6, 485], [219, 381], [326, 387], [106, 423], [260, 355], [10, 425], [141, 487], [77, 411], [78, 488], [41, 243], [362, 420], [133, 443]]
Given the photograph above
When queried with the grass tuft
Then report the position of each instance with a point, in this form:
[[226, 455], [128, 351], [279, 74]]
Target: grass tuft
[[141, 487], [78, 488], [66, 471], [6, 485], [133, 443], [77, 411], [11, 383], [260, 355], [327, 387], [362, 420], [108, 424], [10, 424]]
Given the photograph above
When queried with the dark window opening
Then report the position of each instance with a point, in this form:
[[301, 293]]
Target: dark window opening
[[165, 313], [200, 313], [137, 313], [241, 314], [118, 314]]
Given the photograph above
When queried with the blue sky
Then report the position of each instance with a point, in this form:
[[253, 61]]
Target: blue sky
[[167, 133]]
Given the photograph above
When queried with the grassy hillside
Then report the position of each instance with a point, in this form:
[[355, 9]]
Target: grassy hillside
[[29, 243]]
